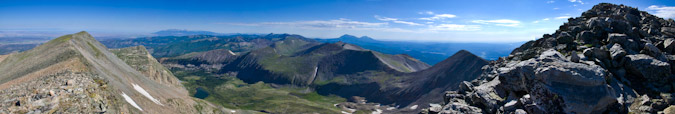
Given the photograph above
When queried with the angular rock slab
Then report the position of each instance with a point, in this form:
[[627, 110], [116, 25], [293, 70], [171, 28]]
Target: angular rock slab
[[560, 86]]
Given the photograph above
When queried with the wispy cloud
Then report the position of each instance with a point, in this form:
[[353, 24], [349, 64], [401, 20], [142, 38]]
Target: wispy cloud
[[578, 1], [499, 22], [438, 17], [395, 20], [662, 11], [426, 12], [454, 27], [545, 19], [556, 8], [341, 23], [550, 1], [562, 17]]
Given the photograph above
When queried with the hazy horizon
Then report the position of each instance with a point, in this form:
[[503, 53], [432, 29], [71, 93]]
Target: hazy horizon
[[424, 21]]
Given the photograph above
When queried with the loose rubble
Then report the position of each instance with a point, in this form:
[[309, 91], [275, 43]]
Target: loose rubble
[[625, 65]]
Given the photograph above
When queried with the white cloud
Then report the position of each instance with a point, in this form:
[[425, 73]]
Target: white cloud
[[318, 24], [579, 1], [439, 17], [550, 2], [545, 19], [499, 22], [562, 17], [556, 8], [454, 27], [395, 20], [426, 12], [662, 11]]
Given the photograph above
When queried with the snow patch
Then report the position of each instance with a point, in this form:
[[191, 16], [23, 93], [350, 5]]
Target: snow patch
[[231, 52], [131, 101], [146, 94], [413, 107], [345, 112], [377, 111]]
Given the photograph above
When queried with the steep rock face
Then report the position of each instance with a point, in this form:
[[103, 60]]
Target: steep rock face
[[300, 62], [411, 91], [212, 60], [140, 59], [76, 74], [446, 75], [625, 66]]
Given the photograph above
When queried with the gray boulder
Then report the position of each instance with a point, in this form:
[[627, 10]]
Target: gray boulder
[[669, 45], [653, 51], [574, 57], [460, 108], [564, 38], [586, 37], [554, 82], [598, 53], [616, 38], [647, 67], [489, 95], [617, 53], [669, 31], [465, 86]]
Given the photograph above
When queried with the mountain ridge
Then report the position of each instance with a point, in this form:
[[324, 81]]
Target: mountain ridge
[[107, 77]]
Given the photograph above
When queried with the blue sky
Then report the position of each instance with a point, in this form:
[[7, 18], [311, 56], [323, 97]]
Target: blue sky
[[410, 20]]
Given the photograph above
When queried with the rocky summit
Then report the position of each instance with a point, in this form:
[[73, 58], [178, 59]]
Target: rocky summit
[[77, 74], [611, 59]]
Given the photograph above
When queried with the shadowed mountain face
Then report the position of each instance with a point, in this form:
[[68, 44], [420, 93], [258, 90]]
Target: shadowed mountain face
[[414, 88], [77, 72]]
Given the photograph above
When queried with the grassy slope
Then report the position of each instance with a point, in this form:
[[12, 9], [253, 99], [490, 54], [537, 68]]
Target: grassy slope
[[231, 92]]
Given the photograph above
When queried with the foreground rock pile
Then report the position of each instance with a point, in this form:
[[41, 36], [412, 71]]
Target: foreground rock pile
[[611, 59]]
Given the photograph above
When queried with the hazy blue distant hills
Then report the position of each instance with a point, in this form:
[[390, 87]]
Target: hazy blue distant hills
[[183, 32], [429, 52]]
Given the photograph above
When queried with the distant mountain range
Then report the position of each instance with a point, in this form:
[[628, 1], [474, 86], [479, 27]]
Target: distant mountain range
[[331, 68], [428, 52], [325, 67]]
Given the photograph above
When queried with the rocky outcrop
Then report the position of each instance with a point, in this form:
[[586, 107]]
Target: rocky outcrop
[[625, 66], [77, 74], [140, 59]]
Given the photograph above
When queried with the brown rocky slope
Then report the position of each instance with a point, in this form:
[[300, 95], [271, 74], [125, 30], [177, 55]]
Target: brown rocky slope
[[76, 74]]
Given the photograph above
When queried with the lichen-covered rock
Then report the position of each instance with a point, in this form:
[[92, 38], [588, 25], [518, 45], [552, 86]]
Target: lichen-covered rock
[[669, 110], [653, 51], [647, 67], [488, 95], [460, 108], [617, 53]]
